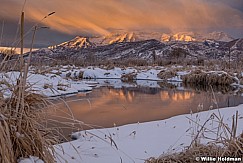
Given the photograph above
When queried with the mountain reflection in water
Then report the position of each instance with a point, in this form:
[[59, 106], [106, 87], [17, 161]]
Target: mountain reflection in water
[[107, 106]]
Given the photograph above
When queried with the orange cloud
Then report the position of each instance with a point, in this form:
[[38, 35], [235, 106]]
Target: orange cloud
[[98, 16]]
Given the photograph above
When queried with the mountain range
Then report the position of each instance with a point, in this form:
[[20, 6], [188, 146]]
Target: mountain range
[[146, 46], [84, 42]]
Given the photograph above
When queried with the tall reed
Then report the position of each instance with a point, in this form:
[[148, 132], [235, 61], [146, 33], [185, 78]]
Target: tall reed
[[21, 134]]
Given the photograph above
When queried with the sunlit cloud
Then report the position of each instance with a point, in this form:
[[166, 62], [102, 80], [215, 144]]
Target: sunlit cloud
[[99, 16]]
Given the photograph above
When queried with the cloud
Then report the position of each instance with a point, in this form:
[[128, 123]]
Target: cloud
[[97, 16]]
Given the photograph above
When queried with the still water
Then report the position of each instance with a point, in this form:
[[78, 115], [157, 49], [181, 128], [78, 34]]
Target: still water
[[108, 106]]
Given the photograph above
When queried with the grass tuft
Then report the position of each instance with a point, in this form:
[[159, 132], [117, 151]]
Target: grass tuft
[[226, 144], [20, 131], [199, 77]]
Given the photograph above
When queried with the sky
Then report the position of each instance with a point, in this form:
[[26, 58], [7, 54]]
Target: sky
[[100, 17]]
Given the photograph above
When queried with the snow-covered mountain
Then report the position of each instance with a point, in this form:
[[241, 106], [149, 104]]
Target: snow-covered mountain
[[76, 43], [80, 42], [163, 37], [146, 51], [142, 50], [236, 44], [124, 37], [219, 36], [182, 36], [192, 36], [123, 46]]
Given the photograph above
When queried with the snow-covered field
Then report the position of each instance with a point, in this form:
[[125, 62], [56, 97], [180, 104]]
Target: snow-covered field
[[140, 141], [134, 143], [17, 50], [56, 81], [129, 143]]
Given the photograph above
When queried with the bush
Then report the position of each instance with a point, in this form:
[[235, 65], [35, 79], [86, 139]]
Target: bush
[[166, 74], [199, 77]]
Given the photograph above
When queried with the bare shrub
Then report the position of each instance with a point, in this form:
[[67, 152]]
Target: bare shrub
[[80, 75], [166, 74], [68, 75], [241, 81], [199, 77], [128, 77]]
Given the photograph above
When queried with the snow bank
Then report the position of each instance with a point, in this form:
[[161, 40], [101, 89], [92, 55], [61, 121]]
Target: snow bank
[[137, 142], [67, 79], [31, 159], [47, 85]]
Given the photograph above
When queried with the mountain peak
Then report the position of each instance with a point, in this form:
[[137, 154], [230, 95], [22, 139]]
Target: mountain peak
[[220, 36], [192, 36], [120, 37], [181, 36], [76, 43]]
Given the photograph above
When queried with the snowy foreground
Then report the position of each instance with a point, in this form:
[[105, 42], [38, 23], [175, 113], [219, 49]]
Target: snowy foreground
[[137, 142], [129, 143], [134, 143]]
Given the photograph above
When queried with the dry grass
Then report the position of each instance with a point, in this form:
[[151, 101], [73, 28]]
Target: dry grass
[[68, 75], [109, 67], [21, 134], [232, 148], [189, 155], [76, 75], [128, 77], [224, 89], [80, 75], [165, 84], [241, 80], [46, 86], [199, 77], [164, 74], [226, 144]]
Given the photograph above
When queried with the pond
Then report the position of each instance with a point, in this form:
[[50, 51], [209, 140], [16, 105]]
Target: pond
[[107, 106]]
